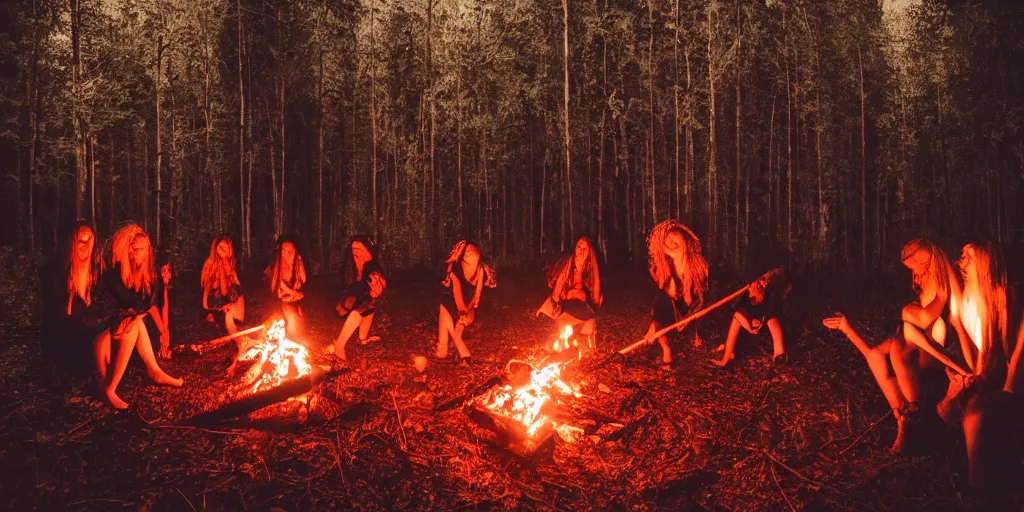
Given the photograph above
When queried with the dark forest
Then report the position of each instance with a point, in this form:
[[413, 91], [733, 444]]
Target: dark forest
[[838, 153]]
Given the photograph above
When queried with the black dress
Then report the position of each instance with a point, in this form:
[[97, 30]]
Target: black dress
[[666, 309], [468, 290], [68, 339], [580, 309], [215, 301], [131, 303], [358, 292]]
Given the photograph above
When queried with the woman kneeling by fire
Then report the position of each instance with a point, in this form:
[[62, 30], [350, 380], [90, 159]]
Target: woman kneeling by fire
[[142, 298], [364, 284], [979, 396], [575, 292]]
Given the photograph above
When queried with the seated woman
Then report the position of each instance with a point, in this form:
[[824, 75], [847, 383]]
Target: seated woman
[[364, 284], [678, 267], [222, 292], [286, 275], [921, 341], [575, 291], [72, 319], [760, 306], [141, 296], [981, 316], [464, 281]]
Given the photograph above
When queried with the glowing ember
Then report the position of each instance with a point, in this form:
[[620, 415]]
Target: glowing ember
[[276, 359], [525, 403]]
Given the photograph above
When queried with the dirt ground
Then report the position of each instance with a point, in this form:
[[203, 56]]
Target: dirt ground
[[811, 434]]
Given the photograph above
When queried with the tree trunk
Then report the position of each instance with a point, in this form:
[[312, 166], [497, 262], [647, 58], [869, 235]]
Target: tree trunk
[[77, 117], [242, 203], [739, 137], [373, 125], [712, 143], [159, 136], [568, 152], [320, 163], [675, 98], [650, 100], [863, 166]]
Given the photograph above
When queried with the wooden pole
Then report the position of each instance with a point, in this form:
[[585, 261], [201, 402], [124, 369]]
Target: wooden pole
[[206, 346]]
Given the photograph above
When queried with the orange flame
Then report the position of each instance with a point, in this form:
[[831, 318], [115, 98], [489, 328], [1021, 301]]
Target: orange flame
[[276, 358], [526, 403]]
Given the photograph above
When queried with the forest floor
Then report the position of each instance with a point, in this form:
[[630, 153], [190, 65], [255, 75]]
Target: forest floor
[[811, 434]]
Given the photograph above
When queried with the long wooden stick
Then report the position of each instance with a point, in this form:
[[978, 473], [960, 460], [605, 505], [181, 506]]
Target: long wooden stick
[[684, 321], [206, 346]]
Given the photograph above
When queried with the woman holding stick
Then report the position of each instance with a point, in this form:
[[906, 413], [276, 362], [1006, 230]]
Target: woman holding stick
[[678, 267], [364, 284], [921, 342], [141, 295], [286, 275], [222, 291], [575, 291], [464, 282]]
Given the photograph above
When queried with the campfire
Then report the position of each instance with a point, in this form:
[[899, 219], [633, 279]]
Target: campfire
[[275, 360], [525, 409]]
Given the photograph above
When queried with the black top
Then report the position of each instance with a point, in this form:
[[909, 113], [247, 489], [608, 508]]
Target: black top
[[127, 299], [360, 289], [215, 300]]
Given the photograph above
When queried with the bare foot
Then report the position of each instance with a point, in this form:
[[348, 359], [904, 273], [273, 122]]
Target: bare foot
[[115, 400], [724, 360], [166, 380]]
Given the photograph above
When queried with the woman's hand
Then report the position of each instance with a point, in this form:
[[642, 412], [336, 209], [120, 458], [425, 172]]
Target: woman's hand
[[837, 322], [165, 344], [377, 285], [165, 273]]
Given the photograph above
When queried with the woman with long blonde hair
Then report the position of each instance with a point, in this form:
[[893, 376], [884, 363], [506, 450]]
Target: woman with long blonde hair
[[575, 284], [141, 295], [920, 342], [222, 291], [72, 318], [677, 265], [286, 276], [465, 278]]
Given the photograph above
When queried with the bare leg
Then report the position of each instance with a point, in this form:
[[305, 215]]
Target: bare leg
[[738, 321], [101, 354], [977, 445], [145, 349], [239, 306], [666, 352], [778, 343], [878, 362], [293, 322], [364, 328], [124, 346], [229, 321], [444, 329], [460, 345], [906, 359], [349, 327]]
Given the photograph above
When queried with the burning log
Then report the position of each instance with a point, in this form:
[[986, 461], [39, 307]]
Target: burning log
[[257, 401], [206, 346]]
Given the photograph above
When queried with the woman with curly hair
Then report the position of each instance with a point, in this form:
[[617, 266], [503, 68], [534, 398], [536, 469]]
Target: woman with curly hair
[[222, 291], [286, 275], [141, 295], [678, 267], [364, 284], [72, 319], [575, 291], [464, 281]]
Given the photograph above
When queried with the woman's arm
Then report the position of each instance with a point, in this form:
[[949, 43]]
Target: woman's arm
[[377, 284], [556, 291], [1015, 370], [923, 317], [479, 288], [206, 299], [598, 298]]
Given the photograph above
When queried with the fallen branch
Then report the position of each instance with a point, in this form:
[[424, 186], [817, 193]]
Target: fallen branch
[[815, 484], [783, 493], [262, 399], [473, 393], [206, 346], [872, 427]]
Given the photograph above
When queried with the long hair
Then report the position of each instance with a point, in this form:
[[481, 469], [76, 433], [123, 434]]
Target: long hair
[[216, 268], [992, 306], [141, 279], [351, 272], [455, 256], [660, 265], [95, 266], [273, 272], [939, 267], [590, 276]]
